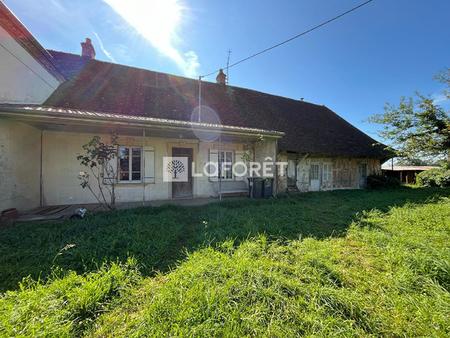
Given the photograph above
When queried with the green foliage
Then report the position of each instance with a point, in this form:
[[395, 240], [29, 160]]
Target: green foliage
[[413, 161], [444, 77], [439, 177], [65, 305], [97, 158], [417, 128], [382, 181]]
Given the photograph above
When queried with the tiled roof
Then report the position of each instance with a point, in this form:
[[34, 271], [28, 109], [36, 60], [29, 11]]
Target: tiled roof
[[68, 64], [112, 88]]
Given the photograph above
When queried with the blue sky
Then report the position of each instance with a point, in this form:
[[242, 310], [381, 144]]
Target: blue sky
[[385, 50]]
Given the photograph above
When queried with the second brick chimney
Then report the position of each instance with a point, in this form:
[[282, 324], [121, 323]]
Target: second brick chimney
[[221, 78], [87, 49]]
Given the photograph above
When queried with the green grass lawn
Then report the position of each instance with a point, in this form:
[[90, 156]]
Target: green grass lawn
[[352, 263]]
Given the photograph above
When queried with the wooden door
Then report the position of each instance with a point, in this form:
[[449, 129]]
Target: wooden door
[[183, 189], [362, 169], [291, 173]]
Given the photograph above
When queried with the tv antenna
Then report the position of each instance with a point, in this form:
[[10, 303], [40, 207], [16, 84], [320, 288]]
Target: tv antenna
[[227, 79]]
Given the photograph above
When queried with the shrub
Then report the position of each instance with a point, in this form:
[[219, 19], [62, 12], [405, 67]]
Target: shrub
[[381, 181], [439, 177]]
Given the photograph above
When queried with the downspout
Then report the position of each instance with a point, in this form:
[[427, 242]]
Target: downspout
[[41, 196], [143, 167], [275, 180], [220, 168]]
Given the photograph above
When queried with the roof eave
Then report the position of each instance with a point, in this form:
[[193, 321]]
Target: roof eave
[[381, 156], [39, 113]]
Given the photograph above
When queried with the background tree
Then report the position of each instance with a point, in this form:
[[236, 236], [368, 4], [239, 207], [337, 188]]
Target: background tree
[[418, 127], [444, 77], [98, 158], [413, 161]]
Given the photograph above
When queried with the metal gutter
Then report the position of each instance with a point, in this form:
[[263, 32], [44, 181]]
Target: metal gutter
[[77, 116]]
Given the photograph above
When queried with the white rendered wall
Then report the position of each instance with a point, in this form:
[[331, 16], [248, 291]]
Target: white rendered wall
[[61, 169], [19, 165], [22, 78]]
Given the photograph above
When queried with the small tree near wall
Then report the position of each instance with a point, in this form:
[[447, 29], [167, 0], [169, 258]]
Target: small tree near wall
[[101, 171]]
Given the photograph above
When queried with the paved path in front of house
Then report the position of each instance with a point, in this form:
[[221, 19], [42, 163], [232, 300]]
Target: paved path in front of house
[[62, 212]]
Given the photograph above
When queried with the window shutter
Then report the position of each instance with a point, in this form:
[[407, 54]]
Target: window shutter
[[149, 165], [213, 158], [238, 157]]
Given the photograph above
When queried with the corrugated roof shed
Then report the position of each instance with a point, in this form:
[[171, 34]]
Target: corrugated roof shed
[[407, 167]]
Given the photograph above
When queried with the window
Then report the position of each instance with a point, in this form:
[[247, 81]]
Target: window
[[130, 164], [327, 172], [363, 170], [225, 165], [314, 175]]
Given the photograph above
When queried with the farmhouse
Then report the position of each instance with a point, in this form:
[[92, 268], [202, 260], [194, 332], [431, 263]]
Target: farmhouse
[[51, 103]]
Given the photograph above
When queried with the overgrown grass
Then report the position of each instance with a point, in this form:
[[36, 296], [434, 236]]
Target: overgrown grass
[[389, 276], [159, 237], [315, 264], [66, 305]]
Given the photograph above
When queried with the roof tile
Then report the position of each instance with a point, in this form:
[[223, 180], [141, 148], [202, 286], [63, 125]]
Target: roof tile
[[105, 87]]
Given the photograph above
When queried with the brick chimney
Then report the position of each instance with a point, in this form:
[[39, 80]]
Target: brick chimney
[[221, 78], [87, 49]]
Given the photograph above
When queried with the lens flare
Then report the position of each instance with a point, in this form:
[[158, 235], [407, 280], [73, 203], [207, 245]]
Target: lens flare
[[206, 115]]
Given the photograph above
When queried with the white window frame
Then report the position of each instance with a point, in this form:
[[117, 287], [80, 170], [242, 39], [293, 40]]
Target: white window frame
[[327, 175], [130, 162], [311, 178], [230, 167]]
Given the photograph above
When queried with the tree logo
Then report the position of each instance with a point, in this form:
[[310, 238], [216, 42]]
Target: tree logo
[[175, 169]]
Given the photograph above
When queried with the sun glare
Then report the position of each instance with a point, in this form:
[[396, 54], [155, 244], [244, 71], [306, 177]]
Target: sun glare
[[157, 21]]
